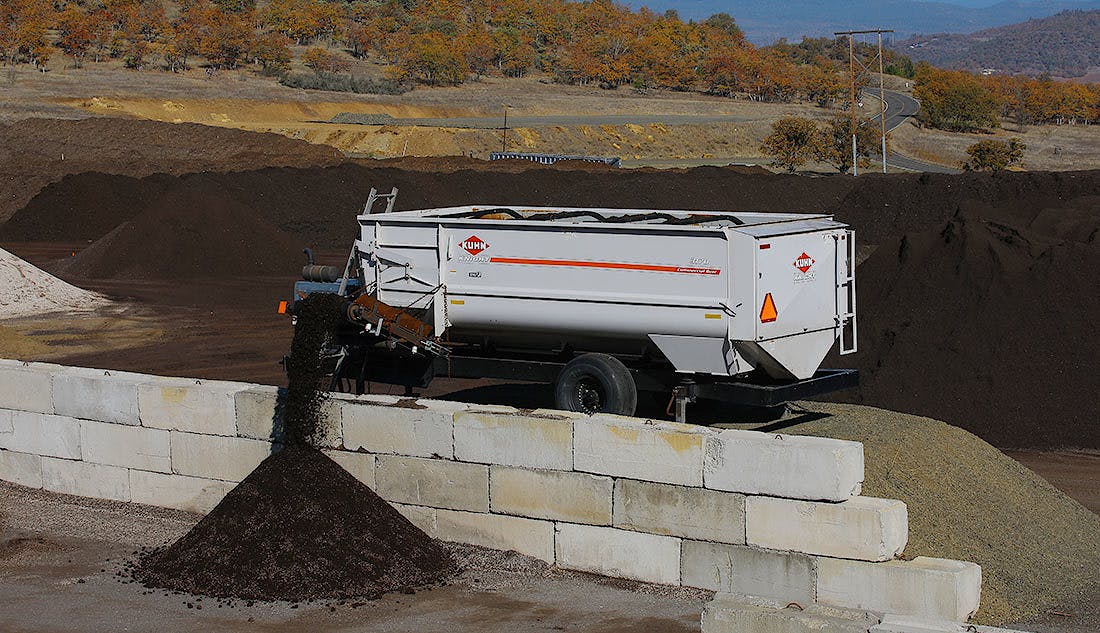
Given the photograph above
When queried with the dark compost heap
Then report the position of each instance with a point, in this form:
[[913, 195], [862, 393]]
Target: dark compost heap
[[300, 527], [985, 334]]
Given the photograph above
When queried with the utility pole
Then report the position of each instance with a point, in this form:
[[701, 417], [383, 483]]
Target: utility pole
[[882, 101], [504, 139], [852, 86], [853, 80]]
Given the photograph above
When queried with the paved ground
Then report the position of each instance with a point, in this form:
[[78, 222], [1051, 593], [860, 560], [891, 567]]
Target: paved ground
[[59, 556], [899, 107]]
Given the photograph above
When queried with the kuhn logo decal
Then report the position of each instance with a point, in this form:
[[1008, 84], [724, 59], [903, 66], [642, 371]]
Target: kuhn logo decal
[[804, 262], [473, 245]]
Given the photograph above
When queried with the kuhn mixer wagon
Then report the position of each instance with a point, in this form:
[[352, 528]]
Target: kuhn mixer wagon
[[741, 307]]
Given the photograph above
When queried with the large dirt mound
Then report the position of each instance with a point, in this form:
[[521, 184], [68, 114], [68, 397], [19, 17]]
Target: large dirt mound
[[320, 205], [299, 528], [190, 233], [944, 332], [986, 325], [1037, 547], [35, 152]]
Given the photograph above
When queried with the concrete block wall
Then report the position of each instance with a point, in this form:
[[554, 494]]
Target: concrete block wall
[[762, 514]]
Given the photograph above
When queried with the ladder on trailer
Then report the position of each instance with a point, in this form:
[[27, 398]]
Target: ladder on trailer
[[846, 295], [368, 209]]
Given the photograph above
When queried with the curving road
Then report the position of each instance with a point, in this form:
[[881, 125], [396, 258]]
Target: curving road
[[899, 107]]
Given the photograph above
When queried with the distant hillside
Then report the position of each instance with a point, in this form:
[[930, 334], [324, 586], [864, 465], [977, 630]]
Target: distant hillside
[[764, 21], [1064, 45]]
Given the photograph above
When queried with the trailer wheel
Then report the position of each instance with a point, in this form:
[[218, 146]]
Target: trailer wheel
[[596, 383]]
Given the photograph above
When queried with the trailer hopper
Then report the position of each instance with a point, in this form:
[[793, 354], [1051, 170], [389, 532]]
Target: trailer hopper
[[706, 297]]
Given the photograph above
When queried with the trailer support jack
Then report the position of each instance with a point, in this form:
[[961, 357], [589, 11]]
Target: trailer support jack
[[682, 394]]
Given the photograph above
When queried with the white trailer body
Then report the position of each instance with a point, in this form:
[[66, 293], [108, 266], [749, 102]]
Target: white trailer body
[[718, 293]]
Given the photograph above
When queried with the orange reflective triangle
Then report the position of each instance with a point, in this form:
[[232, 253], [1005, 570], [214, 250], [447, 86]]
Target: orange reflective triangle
[[767, 311]]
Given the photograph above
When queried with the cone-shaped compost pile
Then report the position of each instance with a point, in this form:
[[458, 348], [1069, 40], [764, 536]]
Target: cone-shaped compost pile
[[300, 527]]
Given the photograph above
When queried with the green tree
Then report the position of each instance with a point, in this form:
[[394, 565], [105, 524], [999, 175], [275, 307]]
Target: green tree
[[990, 155], [793, 141]]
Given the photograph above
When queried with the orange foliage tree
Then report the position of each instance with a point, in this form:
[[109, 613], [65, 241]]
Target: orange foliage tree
[[23, 29]]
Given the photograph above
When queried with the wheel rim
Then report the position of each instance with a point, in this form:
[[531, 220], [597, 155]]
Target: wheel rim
[[590, 395]]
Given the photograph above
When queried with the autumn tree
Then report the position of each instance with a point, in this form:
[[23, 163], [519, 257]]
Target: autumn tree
[[272, 52], [822, 84], [954, 100], [76, 33], [792, 143], [480, 53], [834, 144], [23, 29], [991, 155], [226, 37], [320, 60], [431, 58]]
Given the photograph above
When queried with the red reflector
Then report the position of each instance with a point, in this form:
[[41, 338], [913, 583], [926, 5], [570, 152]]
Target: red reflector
[[282, 307], [765, 247], [768, 312]]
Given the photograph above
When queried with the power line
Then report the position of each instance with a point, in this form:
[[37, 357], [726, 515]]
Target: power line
[[882, 96]]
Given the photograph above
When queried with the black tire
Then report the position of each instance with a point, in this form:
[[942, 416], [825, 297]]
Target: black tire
[[596, 383]]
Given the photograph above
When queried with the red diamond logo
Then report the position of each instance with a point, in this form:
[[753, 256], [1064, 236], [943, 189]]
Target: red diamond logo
[[473, 245], [804, 262]]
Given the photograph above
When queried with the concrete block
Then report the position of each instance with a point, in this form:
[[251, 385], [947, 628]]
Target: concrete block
[[450, 406], [514, 440], [650, 451], [99, 395], [729, 613], [126, 446], [421, 517], [527, 536], [748, 570], [260, 417], [554, 413], [258, 412], [433, 482], [24, 469], [360, 465], [192, 494], [931, 588], [40, 434], [26, 387], [194, 406], [444, 406], [892, 623], [697, 513], [85, 479], [215, 457], [619, 553], [398, 430], [366, 398], [792, 466], [862, 528], [551, 494]]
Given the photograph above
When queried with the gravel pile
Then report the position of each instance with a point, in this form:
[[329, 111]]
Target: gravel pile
[[1038, 548]]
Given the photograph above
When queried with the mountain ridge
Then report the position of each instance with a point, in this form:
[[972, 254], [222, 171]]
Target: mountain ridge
[[1062, 45], [765, 21]]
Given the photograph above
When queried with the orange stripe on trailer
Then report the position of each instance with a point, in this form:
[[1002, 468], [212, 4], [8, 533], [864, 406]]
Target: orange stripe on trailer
[[689, 270], [282, 307], [768, 312]]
